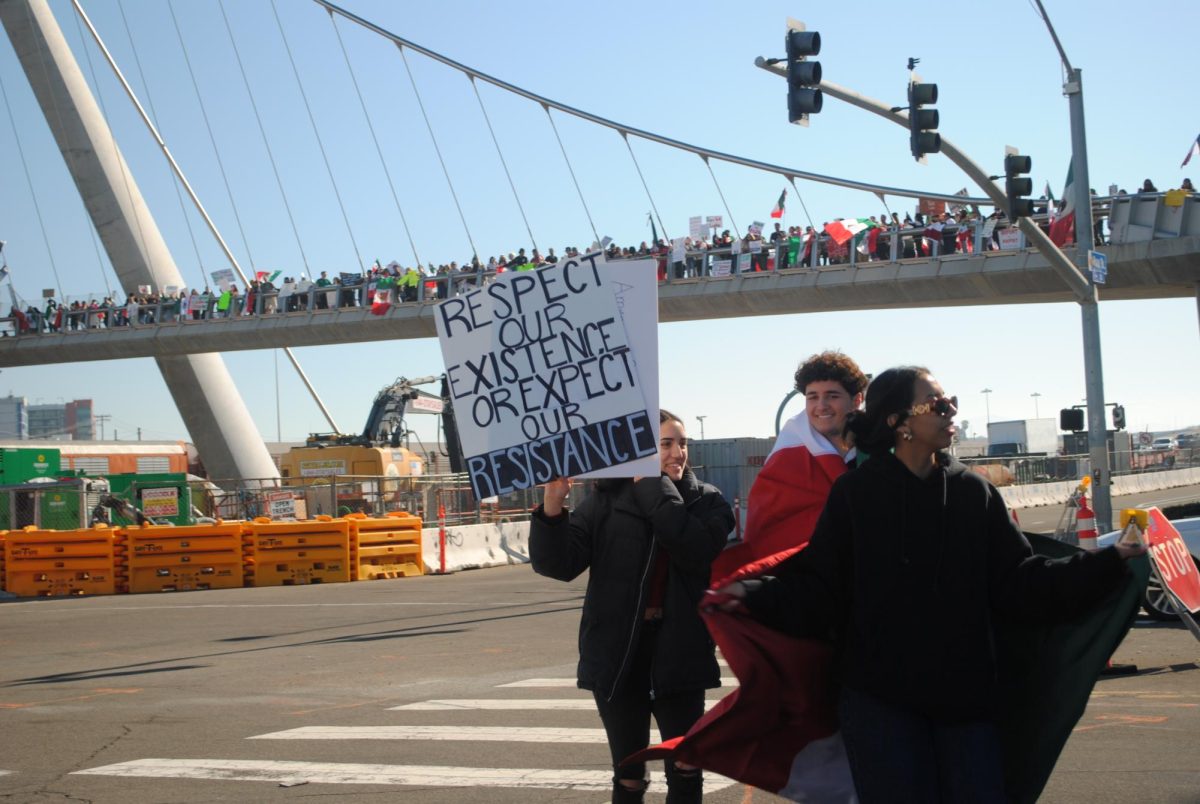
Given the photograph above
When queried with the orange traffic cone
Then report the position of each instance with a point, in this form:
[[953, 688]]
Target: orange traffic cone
[[1085, 526]]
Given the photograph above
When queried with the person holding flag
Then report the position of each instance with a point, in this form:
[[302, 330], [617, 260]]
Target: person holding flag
[[914, 572]]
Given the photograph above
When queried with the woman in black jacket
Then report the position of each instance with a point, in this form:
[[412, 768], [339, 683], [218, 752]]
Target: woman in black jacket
[[648, 544], [912, 564]]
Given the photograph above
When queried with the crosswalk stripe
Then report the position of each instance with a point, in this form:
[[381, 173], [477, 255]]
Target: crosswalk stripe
[[541, 682], [490, 734], [291, 772], [506, 705]]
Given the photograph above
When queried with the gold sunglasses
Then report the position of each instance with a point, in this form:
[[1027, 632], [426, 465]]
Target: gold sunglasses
[[942, 406]]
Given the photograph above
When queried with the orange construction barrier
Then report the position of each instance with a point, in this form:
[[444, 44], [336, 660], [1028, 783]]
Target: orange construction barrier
[[388, 547], [296, 553], [169, 559], [54, 563], [1085, 526]]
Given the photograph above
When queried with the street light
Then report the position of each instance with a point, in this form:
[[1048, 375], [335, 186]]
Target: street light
[[987, 403], [701, 420], [1035, 396]]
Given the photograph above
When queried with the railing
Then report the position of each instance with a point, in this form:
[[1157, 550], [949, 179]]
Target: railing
[[1133, 218], [1020, 469]]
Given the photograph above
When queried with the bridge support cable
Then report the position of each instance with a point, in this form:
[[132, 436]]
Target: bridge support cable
[[500, 153], [212, 138], [309, 273], [438, 150], [212, 227], [792, 181], [646, 135], [646, 187], [375, 139], [137, 60], [37, 208], [571, 170], [359, 262], [724, 203]]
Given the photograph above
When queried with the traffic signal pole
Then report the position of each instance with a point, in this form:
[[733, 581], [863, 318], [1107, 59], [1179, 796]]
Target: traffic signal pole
[[1075, 277]]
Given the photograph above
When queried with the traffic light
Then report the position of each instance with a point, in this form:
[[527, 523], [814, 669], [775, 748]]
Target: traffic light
[[923, 138], [803, 76], [1119, 417], [1070, 419], [1016, 186]]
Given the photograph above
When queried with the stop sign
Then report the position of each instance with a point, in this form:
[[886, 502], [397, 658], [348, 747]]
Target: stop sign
[[1173, 560]]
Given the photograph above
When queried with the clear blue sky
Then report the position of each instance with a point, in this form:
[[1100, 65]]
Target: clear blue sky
[[684, 70]]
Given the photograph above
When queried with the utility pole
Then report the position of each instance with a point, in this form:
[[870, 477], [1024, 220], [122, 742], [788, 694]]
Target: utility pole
[[701, 420], [101, 418]]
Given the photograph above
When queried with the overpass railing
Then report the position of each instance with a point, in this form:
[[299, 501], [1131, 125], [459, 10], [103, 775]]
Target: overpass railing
[[1141, 217]]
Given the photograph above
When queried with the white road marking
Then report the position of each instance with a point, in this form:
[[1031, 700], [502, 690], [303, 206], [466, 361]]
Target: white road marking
[[507, 705], [541, 682], [287, 772], [489, 734]]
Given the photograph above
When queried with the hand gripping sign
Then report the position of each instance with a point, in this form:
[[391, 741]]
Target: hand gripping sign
[[544, 379], [1173, 562]]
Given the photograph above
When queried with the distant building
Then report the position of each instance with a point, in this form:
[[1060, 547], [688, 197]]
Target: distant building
[[72, 421], [14, 418]]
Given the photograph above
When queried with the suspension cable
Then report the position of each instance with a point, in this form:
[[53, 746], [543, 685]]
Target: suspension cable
[[29, 180], [500, 153], [723, 201], [211, 136], [375, 139], [646, 187], [792, 179], [432, 136], [137, 60], [317, 133], [571, 170], [237, 54]]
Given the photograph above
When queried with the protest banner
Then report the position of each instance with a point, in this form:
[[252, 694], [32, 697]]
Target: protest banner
[[930, 206], [743, 263], [223, 278], [543, 379], [721, 267], [1010, 239], [696, 227]]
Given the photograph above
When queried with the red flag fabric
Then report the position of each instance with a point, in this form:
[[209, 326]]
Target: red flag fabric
[[777, 212], [1062, 231], [787, 497], [778, 731], [381, 303]]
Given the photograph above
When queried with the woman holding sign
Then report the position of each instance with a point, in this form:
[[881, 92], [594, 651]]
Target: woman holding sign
[[643, 649]]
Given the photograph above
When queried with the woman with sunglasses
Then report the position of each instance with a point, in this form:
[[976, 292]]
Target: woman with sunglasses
[[913, 562], [648, 545]]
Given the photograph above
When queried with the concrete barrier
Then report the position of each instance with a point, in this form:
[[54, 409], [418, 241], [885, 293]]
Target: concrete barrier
[[1034, 495], [477, 546]]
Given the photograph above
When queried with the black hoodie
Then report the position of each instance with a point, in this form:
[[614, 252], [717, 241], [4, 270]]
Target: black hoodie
[[910, 577]]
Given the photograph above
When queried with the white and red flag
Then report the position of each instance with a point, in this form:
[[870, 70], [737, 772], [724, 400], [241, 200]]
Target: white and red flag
[[777, 211]]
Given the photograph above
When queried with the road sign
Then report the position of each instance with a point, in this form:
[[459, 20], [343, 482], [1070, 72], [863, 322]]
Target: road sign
[[1174, 562], [1098, 265]]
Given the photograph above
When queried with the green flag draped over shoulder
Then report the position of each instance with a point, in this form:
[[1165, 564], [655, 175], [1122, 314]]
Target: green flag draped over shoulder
[[1048, 672]]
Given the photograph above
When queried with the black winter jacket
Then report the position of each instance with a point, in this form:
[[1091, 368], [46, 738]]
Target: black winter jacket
[[910, 578], [616, 533]]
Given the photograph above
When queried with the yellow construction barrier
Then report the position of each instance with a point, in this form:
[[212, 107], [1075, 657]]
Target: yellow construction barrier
[[296, 553], [162, 558], [388, 547], [53, 563]]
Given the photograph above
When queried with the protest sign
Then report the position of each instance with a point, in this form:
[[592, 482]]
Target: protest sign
[[755, 246], [223, 278], [756, 227], [1010, 239], [721, 267], [713, 221], [678, 249], [696, 227], [542, 377], [743, 263]]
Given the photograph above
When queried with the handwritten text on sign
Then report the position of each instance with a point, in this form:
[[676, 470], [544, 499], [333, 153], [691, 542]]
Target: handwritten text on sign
[[542, 378]]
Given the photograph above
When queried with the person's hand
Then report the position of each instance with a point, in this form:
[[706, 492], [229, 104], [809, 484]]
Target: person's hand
[[727, 598], [554, 494], [1128, 550]]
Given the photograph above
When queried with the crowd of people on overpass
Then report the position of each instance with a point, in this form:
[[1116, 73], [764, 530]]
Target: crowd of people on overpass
[[935, 230]]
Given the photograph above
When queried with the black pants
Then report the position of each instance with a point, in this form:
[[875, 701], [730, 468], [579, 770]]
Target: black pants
[[626, 719]]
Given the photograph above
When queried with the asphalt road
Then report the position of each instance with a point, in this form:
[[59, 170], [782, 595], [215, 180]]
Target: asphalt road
[[290, 693], [1043, 519]]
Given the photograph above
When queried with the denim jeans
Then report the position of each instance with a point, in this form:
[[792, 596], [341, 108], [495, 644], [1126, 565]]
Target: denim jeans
[[898, 757]]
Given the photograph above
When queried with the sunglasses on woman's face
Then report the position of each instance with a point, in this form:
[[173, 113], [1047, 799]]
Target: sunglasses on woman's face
[[942, 406]]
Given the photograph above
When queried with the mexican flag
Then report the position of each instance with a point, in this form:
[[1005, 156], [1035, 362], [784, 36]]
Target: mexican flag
[[778, 731], [1063, 227], [381, 302], [786, 498], [843, 230], [777, 212]]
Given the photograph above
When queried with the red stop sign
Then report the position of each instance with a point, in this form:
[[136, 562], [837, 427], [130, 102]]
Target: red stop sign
[[1173, 560]]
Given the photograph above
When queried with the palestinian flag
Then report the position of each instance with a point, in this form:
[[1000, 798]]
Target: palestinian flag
[[787, 497], [778, 731], [777, 212], [1063, 227], [841, 231]]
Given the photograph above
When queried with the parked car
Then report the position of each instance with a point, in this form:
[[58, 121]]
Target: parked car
[[1155, 602], [1166, 442]]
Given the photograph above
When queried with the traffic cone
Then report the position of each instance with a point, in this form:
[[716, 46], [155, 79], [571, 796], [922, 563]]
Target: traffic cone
[[1085, 526]]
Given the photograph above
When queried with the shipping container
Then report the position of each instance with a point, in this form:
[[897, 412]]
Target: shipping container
[[730, 464]]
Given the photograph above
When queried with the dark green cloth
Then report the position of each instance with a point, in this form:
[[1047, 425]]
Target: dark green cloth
[[1048, 673]]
